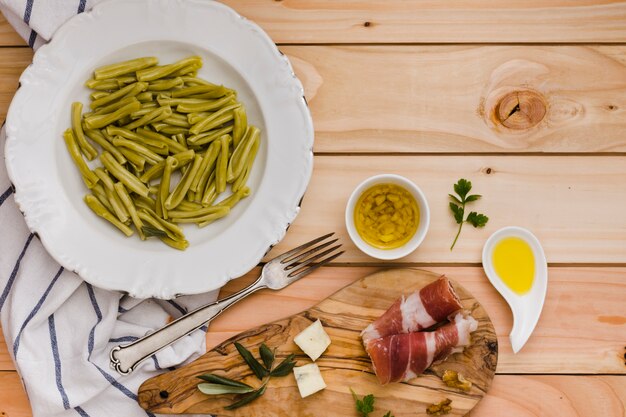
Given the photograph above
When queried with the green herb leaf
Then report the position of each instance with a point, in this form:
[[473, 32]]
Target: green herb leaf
[[458, 212], [462, 187], [254, 364], [285, 367], [217, 379], [247, 399], [267, 355], [218, 389], [150, 231], [365, 406], [388, 414], [477, 219], [455, 198]]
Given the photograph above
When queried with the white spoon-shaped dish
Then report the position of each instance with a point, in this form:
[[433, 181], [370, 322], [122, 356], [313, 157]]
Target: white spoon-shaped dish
[[526, 308]]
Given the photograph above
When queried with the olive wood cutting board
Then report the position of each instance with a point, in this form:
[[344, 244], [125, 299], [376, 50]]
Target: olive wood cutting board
[[344, 365]]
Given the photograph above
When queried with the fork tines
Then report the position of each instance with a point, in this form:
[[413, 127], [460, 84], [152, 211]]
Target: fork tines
[[306, 258]]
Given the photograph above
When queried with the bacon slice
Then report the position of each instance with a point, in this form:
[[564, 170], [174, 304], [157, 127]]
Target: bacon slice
[[431, 305], [402, 357]]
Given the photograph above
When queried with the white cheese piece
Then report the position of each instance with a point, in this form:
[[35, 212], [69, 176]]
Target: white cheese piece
[[313, 340], [309, 379]]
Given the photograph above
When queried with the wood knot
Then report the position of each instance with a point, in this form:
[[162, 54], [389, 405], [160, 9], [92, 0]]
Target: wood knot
[[520, 110], [367, 24], [164, 394]]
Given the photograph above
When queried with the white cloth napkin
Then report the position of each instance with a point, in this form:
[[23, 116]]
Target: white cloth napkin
[[58, 328]]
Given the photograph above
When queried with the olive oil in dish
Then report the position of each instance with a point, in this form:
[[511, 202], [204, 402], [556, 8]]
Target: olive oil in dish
[[514, 262], [386, 216]]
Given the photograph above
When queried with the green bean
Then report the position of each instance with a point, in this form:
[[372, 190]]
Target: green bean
[[216, 91], [240, 155], [176, 244], [151, 74], [216, 94], [137, 161], [143, 202], [154, 116], [194, 118], [218, 118], [123, 68], [234, 198], [123, 195], [203, 211], [222, 164], [100, 194], [240, 125], [183, 159], [208, 165], [113, 106], [150, 157], [154, 137], [210, 193], [171, 164], [103, 85], [206, 105], [99, 138], [168, 101], [129, 91], [210, 136], [242, 179], [216, 212], [98, 94], [195, 81], [154, 145], [102, 120], [180, 191], [165, 84], [77, 127], [96, 206], [169, 129], [145, 97], [181, 139], [189, 70], [172, 230], [189, 205], [177, 121], [123, 175], [118, 208], [210, 218], [88, 176]]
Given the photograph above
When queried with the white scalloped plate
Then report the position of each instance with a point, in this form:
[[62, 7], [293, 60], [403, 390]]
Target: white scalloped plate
[[49, 190]]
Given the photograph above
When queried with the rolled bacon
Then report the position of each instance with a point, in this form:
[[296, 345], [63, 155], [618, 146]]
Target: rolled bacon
[[401, 357], [431, 305]]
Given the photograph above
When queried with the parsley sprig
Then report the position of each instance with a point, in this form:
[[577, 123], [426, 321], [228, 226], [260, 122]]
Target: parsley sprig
[[365, 406], [462, 189]]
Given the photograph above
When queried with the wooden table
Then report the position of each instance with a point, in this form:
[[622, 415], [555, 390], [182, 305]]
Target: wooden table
[[526, 98]]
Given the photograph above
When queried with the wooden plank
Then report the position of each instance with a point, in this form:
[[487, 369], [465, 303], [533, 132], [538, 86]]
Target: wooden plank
[[585, 105], [424, 21], [6, 363], [12, 62], [427, 21], [510, 395], [13, 399], [573, 204], [580, 330], [422, 99], [8, 35]]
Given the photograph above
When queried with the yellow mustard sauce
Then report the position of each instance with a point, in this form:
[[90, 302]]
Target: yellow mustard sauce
[[514, 262], [386, 216]]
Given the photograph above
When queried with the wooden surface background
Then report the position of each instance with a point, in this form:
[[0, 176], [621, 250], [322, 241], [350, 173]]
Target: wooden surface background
[[428, 89]]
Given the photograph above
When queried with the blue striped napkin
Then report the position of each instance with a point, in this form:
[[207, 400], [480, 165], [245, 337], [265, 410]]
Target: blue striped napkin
[[58, 328]]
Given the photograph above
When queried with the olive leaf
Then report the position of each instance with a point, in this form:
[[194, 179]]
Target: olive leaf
[[247, 399], [217, 389], [254, 364], [217, 379], [267, 356], [285, 367]]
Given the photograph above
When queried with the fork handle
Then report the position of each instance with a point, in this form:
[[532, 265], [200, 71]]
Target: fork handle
[[125, 358]]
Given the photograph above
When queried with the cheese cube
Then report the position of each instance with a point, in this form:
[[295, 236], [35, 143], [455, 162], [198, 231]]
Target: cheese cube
[[309, 379], [313, 340]]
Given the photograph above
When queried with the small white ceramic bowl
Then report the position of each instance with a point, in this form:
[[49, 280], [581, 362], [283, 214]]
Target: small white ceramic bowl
[[420, 233]]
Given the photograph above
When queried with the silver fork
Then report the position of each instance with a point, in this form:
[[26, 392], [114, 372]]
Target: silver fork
[[276, 274]]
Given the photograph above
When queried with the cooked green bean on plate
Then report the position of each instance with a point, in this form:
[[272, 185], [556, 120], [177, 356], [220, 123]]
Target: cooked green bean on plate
[[168, 144]]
